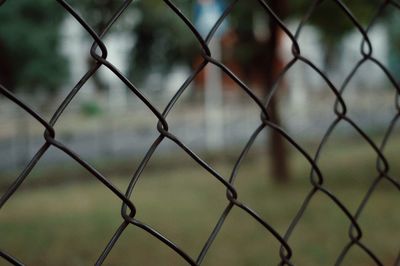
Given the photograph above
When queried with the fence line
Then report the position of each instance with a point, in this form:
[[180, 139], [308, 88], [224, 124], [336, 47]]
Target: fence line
[[165, 131]]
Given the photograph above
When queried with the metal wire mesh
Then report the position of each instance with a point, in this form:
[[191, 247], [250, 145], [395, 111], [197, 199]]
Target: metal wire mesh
[[128, 210]]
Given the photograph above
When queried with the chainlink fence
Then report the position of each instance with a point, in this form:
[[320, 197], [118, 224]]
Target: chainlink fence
[[128, 211]]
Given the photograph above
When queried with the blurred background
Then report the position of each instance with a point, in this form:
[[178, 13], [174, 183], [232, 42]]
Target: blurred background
[[62, 216]]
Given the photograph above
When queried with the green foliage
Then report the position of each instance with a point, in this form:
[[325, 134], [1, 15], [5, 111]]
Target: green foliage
[[163, 40], [30, 35], [97, 13], [91, 108], [30, 56], [331, 20], [394, 37]]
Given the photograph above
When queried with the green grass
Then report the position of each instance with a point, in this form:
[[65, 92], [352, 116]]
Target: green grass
[[70, 224]]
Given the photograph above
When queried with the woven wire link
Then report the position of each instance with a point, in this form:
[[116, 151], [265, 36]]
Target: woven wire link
[[98, 52]]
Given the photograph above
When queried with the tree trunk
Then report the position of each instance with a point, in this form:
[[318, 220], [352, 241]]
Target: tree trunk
[[99, 84], [6, 73], [279, 160]]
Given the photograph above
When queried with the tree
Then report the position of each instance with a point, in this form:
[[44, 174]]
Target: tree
[[261, 55], [30, 36], [332, 34], [394, 37], [159, 30], [162, 40], [97, 14]]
